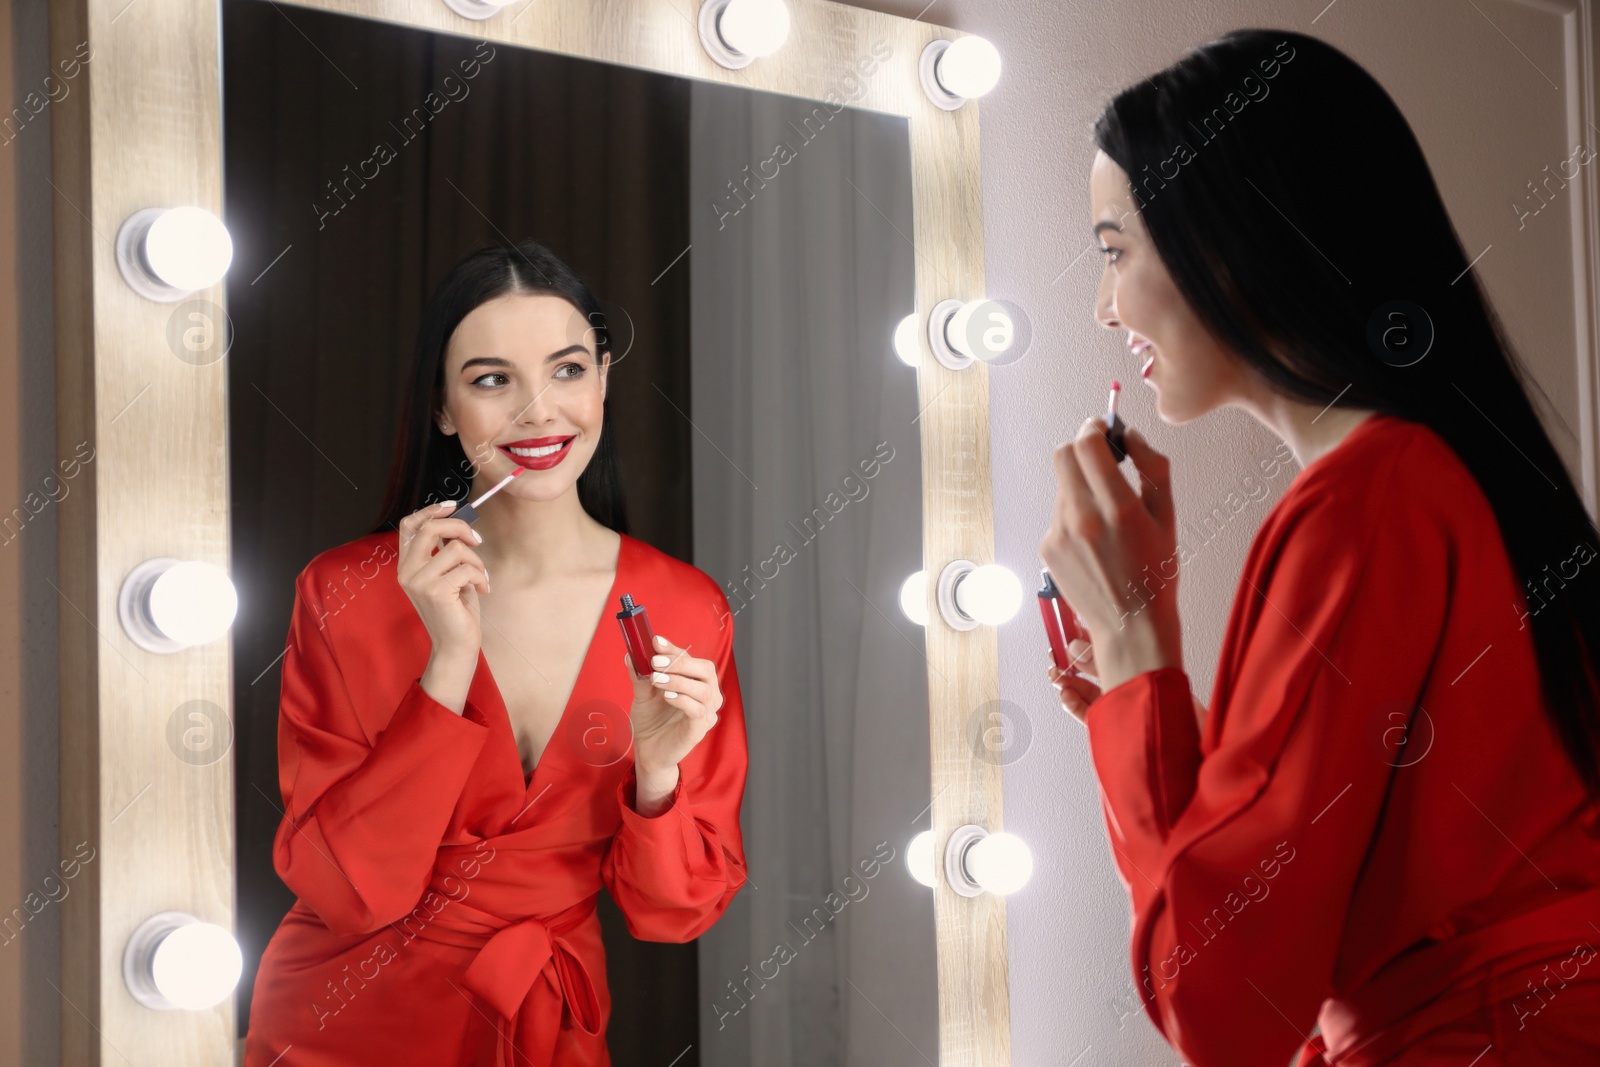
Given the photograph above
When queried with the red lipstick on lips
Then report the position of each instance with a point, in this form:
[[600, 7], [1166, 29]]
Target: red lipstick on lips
[[539, 463]]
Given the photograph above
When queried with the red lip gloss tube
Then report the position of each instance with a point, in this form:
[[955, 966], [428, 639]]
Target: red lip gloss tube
[[1049, 605], [636, 632], [1115, 427]]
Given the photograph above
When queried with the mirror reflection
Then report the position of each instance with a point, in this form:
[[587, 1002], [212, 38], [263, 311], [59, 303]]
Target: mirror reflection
[[638, 330]]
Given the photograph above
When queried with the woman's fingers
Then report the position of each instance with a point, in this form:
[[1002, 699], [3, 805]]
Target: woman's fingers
[[437, 529], [1111, 491], [1155, 470], [678, 661], [692, 707], [1076, 693], [686, 685], [454, 554]]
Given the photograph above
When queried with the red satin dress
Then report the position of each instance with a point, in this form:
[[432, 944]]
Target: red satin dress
[[1375, 830], [446, 910]]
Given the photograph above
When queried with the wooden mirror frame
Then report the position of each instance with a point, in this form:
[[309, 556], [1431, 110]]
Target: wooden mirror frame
[[143, 129]]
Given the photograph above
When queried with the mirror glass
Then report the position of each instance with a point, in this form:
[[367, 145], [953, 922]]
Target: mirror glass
[[752, 255]]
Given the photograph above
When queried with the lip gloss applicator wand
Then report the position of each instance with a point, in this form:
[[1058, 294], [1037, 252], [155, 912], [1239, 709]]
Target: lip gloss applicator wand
[[1115, 427], [469, 512]]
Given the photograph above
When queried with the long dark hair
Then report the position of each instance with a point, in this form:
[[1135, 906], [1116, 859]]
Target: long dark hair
[[1266, 220], [430, 466]]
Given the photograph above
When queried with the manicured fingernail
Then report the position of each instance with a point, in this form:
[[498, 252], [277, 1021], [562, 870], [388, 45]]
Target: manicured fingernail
[[443, 504], [476, 534], [659, 677], [661, 642], [660, 661], [670, 695]]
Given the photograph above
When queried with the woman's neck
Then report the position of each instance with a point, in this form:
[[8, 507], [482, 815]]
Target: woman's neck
[[525, 541]]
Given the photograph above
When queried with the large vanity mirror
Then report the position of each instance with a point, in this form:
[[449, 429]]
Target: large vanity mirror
[[766, 433], [754, 237]]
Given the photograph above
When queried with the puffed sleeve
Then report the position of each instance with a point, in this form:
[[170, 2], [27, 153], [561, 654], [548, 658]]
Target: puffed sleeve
[[673, 874], [362, 821], [1240, 861]]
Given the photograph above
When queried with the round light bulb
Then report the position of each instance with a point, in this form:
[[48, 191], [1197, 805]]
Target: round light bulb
[[919, 858], [914, 598], [907, 341], [188, 248], [754, 27], [193, 603], [981, 329], [1001, 863], [196, 966], [970, 67], [991, 594]]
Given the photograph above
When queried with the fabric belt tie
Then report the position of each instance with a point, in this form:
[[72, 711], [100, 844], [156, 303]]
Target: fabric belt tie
[[506, 971]]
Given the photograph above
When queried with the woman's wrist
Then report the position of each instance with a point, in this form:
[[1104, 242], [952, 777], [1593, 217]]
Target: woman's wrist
[[448, 678], [1133, 650], [653, 789]]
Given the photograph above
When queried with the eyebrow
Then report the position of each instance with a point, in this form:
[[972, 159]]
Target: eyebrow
[[1106, 226], [496, 361]]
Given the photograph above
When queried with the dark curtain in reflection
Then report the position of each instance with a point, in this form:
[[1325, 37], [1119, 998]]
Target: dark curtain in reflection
[[362, 161]]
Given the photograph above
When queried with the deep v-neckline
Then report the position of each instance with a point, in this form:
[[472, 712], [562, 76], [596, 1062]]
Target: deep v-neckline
[[583, 669]]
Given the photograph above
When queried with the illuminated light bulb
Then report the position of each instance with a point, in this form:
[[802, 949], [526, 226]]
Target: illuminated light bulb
[[914, 598], [919, 858], [477, 9], [969, 68], [1001, 863], [175, 962], [736, 32], [906, 345], [188, 248], [990, 594], [197, 965], [166, 254], [754, 27], [167, 604], [981, 329]]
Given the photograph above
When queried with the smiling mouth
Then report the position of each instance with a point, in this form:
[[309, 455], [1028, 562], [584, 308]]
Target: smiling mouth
[[538, 457], [535, 453]]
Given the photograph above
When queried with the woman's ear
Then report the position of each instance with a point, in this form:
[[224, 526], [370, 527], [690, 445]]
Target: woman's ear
[[442, 420], [605, 370]]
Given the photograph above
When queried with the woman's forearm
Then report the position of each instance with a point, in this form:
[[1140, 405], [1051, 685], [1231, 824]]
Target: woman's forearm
[[653, 790]]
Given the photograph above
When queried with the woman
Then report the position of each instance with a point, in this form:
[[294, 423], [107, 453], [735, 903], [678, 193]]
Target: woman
[[1385, 826], [463, 770]]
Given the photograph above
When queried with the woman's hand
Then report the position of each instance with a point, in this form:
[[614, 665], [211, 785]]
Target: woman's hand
[[1075, 691], [673, 708], [1113, 553], [443, 578]]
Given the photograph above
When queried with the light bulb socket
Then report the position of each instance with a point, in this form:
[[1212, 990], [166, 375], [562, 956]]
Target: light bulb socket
[[133, 265], [938, 340], [956, 847], [949, 578], [133, 606], [928, 72], [138, 958], [711, 37]]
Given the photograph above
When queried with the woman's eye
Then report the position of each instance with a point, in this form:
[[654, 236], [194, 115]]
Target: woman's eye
[[576, 368], [1114, 253], [492, 374]]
